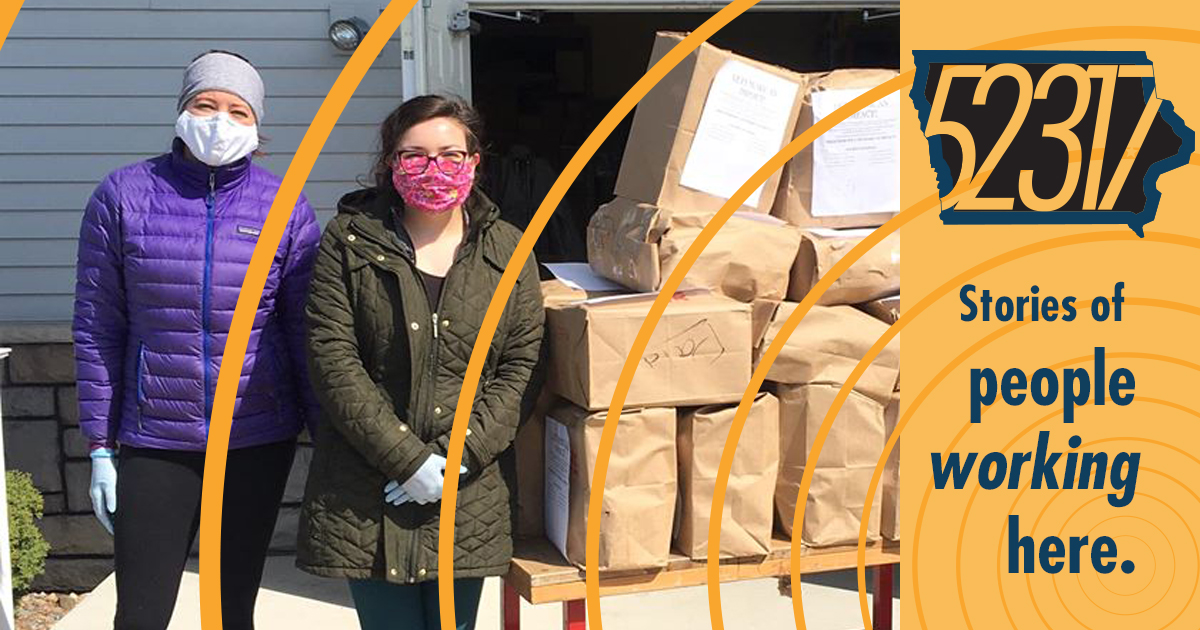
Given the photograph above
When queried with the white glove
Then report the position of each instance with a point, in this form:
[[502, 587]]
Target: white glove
[[104, 487], [424, 486]]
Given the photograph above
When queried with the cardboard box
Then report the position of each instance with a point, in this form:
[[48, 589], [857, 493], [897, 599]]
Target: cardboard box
[[889, 522], [706, 127], [846, 177], [833, 511], [639, 245], [699, 352], [556, 292], [748, 516], [529, 445], [639, 487], [886, 310], [828, 344], [875, 275]]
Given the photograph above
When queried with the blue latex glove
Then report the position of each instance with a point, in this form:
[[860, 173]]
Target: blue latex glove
[[104, 487], [394, 494], [425, 486]]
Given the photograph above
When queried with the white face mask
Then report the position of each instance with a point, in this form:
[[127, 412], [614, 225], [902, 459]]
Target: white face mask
[[216, 140]]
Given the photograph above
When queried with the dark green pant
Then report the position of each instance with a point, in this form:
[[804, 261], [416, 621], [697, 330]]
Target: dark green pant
[[386, 606]]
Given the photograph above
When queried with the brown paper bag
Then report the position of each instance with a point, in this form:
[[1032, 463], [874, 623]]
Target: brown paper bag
[[761, 314], [828, 344], [639, 245], [529, 450], [665, 125], [793, 201], [875, 275], [699, 352], [889, 524], [529, 453], [639, 488], [833, 511], [747, 518], [886, 310]]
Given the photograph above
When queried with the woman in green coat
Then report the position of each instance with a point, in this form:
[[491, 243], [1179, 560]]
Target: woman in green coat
[[404, 275]]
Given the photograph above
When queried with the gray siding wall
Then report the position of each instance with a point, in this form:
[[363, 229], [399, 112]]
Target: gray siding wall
[[90, 85]]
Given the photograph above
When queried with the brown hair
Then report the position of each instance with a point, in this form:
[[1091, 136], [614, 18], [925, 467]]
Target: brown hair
[[414, 112]]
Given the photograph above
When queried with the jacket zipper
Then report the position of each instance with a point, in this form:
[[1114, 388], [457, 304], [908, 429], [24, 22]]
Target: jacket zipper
[[414, 546], [141, 394], [210, 205]]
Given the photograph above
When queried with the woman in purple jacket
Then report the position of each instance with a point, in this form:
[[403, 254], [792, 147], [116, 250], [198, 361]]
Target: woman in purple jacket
[[163, 249]]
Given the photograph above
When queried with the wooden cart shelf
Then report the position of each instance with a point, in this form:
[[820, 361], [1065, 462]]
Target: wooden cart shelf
[[539, 574]]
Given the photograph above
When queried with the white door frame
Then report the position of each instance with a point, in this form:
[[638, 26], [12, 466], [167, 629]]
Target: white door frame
[[6, 594]]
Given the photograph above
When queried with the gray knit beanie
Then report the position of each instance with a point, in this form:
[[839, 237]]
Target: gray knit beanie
[[226, 72]]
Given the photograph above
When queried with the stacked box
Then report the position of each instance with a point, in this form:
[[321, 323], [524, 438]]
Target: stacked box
[[696, 138], [706, 127], [889, 522], [812, 366], [699, 352], [850, 175], [639, 487], [874, 276], [747, 517], [837, 494], [639, 245]]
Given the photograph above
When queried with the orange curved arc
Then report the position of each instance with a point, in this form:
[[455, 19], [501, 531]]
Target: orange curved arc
[[250, 294], [504, 289], [8, 16], [1174, 568], [895, 329], [1009, 445], [759, 376], [1021, 41], [1028, 577], [1012, 508], [1195, 546], [893, 439], [975, 491], [536, 226], [671, 284]]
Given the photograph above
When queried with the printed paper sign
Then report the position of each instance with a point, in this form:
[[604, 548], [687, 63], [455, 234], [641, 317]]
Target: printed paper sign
[[558, 483], [743, 125], [856, 165]]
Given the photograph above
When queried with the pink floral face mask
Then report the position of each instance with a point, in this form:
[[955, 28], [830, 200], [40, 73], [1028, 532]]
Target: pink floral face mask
[[433, 191]]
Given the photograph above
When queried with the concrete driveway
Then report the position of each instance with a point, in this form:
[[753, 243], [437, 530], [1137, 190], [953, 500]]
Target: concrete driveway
[[291, 599]]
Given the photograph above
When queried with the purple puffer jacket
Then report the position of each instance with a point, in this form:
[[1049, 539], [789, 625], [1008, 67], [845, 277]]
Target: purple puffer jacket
[[163, 249]]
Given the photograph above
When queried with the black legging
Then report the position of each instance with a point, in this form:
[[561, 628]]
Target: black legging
[[158, 513]]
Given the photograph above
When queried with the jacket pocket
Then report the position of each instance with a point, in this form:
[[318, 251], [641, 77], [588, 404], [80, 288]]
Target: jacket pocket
[[139, 375]]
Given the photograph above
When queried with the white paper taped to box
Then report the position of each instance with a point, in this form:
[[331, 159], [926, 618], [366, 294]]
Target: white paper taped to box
[[558, 483], [856, 165], [743, 125]]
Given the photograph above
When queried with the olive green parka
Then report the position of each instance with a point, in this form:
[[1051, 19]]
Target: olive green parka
[[388, 370]]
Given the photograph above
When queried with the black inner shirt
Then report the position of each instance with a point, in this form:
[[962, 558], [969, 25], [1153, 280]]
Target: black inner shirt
[[433, 288]]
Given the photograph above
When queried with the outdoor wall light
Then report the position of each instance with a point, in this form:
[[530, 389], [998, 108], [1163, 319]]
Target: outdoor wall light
[[347, 33]]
